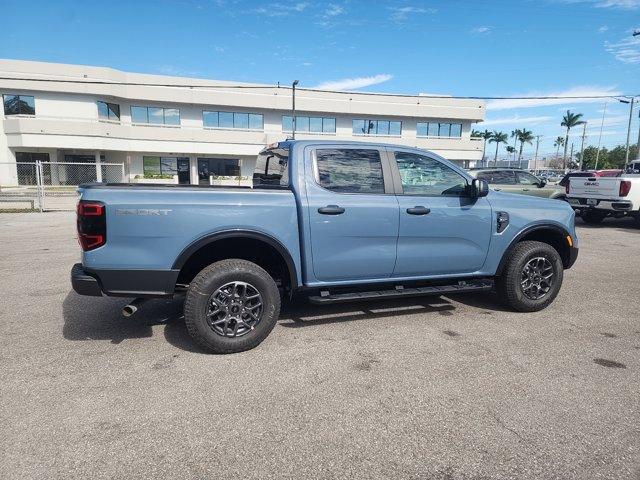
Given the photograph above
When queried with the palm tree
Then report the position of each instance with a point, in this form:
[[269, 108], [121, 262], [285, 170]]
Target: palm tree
[[486, 135], [558, 143], [569, 121], [524, 136], [498, 138], [514, 135], [476, 133], [510, 149]]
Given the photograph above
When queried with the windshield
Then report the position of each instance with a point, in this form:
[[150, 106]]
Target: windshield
[[272, 169]]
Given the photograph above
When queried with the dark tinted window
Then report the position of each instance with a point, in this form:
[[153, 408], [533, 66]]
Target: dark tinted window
[[272, 169], [422, 175], [565, 180], [19, 105], [350, 170], [503, 177]]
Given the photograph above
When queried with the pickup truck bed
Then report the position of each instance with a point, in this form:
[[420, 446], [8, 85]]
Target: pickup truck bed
[[332, 221]]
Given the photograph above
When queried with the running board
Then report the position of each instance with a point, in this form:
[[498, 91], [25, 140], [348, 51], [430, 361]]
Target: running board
[[399, 291]]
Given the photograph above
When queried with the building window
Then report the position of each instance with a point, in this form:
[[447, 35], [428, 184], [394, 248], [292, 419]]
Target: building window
[[160, 167], [239, 120], [19, 105], [377, 127], [435, 129], [109, 111], [155, 115], [309, 124]]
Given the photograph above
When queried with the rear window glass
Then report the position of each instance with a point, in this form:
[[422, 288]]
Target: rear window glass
[[503, 177], [272, 169], [350, 170]]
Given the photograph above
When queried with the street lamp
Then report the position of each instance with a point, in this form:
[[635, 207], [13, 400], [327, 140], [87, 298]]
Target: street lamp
[[630, 102], [293, 109]]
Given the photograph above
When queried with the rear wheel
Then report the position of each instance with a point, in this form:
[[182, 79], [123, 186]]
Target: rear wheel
[[593, 216], [231, 306], [532, 276]]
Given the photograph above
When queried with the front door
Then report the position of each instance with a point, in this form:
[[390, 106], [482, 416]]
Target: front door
[[184, 177], [442, 230], [203, 171], [352, 213]]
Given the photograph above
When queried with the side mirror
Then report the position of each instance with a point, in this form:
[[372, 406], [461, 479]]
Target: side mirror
[[479, 188], [542, 183]]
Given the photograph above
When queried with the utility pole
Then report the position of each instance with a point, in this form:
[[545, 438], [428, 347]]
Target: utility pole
[[604, 111], [535, 157], [584, 134], [626, 157], [293, 109], [638, 144], [571, 155]]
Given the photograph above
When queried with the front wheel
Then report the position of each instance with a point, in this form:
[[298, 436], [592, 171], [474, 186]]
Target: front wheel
[[531, 278], [231, 306]]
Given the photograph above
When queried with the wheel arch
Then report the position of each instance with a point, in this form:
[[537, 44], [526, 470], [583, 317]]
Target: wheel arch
[[262, 246], [548, 233]]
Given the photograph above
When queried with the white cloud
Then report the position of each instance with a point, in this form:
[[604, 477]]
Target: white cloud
[[603, 29], [616, 4], [306, 64], [333, 10], [626, 51], [219, 49], [402, 13], [516, 119], [279, 9], [579, 93], [355, 83], [483, 30]]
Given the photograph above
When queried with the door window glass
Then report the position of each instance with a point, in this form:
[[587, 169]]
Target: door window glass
[[525, 178], [503, 177], [350, 170], [422, 175]]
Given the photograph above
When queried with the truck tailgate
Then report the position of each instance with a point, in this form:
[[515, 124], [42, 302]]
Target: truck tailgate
[[594, 187]]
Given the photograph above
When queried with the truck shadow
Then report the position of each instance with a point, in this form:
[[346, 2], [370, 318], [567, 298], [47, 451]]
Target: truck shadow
[[625, 224], [300, 313]]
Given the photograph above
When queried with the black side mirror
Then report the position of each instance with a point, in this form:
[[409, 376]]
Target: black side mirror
[[542, 183], [479, 188]]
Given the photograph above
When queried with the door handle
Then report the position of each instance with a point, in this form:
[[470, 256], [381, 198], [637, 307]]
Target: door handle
[[497, 189], [418, 210], [331, 210], [525, 189]]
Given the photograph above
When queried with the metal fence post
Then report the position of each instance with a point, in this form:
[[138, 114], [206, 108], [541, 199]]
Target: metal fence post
[[39, 185]]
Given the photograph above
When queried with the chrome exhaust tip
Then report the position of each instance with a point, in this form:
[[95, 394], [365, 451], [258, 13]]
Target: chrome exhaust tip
[[132, 307]]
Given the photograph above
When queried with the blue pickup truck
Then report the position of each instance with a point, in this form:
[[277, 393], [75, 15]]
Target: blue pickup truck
[[334, 221]]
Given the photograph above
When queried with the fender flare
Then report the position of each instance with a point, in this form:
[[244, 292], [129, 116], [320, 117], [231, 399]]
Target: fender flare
[[524, 232], [211, 238]]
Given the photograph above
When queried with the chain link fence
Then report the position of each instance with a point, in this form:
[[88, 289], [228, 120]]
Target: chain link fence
[[41, 186]]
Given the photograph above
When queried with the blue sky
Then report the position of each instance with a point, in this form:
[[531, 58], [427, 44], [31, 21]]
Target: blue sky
[[492, 48]]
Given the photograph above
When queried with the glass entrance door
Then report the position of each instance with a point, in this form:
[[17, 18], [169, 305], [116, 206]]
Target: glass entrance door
[[184, 178], [203, 171]]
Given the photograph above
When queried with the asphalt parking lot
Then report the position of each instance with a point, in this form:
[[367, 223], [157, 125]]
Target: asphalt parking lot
[[432, 388]]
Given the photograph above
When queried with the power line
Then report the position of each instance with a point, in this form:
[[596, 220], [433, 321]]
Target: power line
[[258, 87]]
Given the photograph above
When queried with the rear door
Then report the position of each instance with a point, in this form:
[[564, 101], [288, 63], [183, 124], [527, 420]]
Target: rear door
[[442, 230], [529, 185], [353, 214]]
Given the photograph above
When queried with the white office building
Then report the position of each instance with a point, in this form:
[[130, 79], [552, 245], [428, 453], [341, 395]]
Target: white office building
[[173, 129]]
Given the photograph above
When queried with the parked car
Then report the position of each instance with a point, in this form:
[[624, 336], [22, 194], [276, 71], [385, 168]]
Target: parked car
[[513, 180], [328, 220], [599, 197]]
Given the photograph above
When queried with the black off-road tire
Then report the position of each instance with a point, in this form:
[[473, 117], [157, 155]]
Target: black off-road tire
[[211, 279], [636, 219], [593, 216], [508, 284]]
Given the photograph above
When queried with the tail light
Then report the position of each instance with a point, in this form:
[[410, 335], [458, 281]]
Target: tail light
[[92, 224], [625, 187]]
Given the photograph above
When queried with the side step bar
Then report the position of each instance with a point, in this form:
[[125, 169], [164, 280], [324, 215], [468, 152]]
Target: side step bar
[[326, 297]]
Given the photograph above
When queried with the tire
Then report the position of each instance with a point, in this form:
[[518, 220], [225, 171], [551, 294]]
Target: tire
[[636, 220], [594, 217], [509, 284], [227, 280]]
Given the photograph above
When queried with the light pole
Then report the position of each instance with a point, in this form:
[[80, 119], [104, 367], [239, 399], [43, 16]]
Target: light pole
[[584, 134], [604, 111], [626, 157], [293, 109], [535, 157]]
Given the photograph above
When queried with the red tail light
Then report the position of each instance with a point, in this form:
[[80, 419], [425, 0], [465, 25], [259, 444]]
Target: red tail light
[[625, 188], [92, 224]]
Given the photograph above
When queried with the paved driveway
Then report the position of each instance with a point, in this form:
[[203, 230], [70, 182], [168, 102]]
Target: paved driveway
[[433, 388]]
